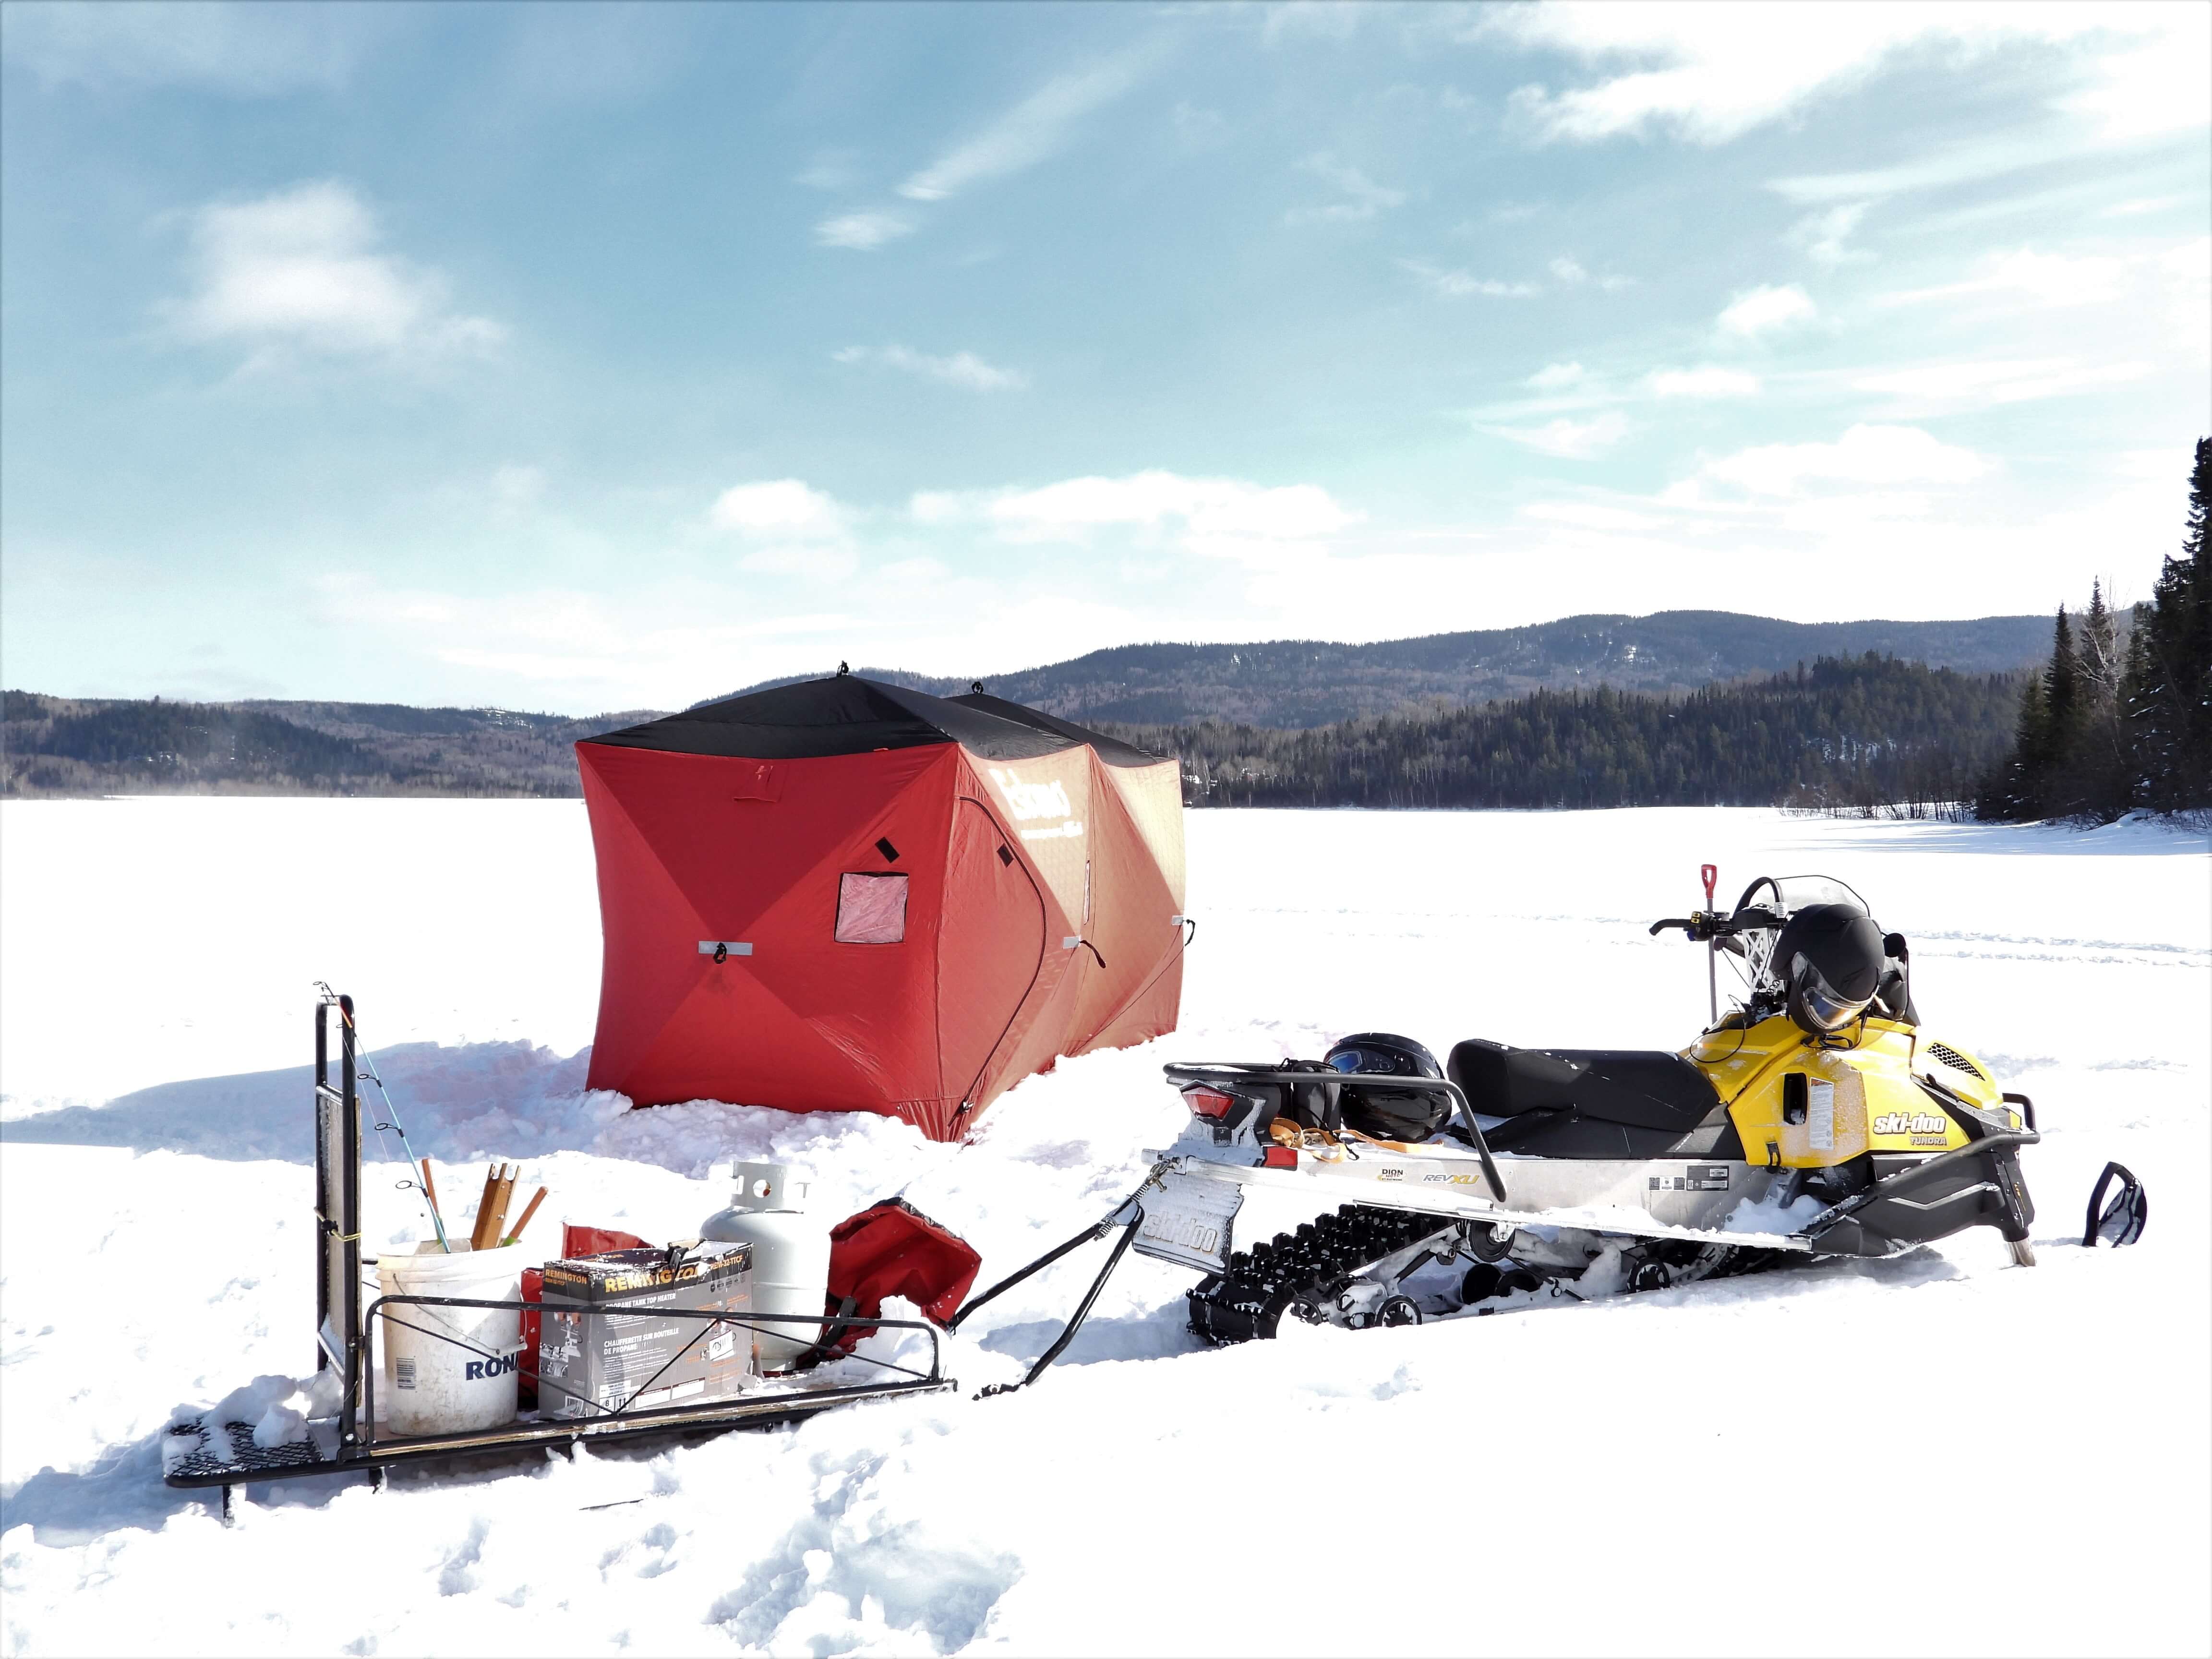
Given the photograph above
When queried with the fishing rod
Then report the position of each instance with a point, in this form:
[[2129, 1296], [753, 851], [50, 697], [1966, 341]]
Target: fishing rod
[[392, 1112]]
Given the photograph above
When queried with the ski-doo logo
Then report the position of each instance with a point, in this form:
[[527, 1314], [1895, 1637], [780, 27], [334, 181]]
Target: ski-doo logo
[[1031, 800], [1910, 1124]]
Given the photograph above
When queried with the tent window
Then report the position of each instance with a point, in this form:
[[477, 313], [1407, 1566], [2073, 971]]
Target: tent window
[[871, 909]]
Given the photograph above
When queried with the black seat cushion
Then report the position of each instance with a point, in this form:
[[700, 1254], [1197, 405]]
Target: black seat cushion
[[1646, 1088], [1592, 1103]]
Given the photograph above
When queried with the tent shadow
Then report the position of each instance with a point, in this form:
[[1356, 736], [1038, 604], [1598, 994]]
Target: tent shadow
[[455, 1100]]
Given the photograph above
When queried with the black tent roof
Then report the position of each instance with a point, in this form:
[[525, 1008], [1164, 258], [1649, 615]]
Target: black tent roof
[[1112, 751], [847, 714]]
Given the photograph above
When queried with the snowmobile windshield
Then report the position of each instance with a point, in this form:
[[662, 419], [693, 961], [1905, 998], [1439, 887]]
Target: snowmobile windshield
[[1795, 893], [1772, 903]]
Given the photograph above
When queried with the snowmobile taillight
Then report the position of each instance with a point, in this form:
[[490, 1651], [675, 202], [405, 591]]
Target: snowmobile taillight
[[1279, 1157], [1208, 1102]]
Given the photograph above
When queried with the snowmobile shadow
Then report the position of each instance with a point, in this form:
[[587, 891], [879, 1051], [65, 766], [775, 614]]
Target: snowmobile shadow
[[1915, 1267], [1160, 1334], [455, 1101]]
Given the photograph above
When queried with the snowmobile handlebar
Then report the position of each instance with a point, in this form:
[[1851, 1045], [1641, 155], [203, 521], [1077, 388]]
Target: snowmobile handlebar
[[1703, 925]]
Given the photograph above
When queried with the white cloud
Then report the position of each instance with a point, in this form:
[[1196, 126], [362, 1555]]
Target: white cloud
[[817, 561], [2157, 87], [1569, 440], [1983, 384], [2052, 279], [1225, 507], [1824, 235], [864, 231], [255, 50], [1864, 455], [1458, 284], [961, 368], [1027, 133], [1763, 310], [1589, 516], [297, 272], [782, 508], [1363, 198], [1231, 519], [1568, 271], [1708, 381], [1552, 376], [831, 169], [2141, 205], [1710, 70]]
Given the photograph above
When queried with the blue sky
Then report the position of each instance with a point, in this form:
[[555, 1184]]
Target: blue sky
[[581, 358]]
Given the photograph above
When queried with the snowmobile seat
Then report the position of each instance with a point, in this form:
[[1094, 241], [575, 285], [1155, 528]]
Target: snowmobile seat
[[1592, 1103]]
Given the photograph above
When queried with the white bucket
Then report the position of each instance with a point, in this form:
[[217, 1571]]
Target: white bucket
[[432, 1386]]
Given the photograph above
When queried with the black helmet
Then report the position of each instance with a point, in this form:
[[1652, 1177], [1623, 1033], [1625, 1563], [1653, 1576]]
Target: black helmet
[[1384, 1113], [1829, 959]]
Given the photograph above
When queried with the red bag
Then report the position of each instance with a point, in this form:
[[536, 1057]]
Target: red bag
[[891, 1249], [577, 1242]]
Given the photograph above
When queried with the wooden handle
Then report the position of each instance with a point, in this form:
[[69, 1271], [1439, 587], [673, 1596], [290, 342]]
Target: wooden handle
[[499, 1201], [479, 1235], [528, 1210]]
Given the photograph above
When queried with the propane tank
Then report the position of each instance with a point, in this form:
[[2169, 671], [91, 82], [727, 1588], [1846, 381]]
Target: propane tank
[[790, 1255]]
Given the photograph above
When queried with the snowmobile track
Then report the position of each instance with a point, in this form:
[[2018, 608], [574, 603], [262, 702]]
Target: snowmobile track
[[1300, 1275]]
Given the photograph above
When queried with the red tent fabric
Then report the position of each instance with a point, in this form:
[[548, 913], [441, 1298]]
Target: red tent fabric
[[844, 895]]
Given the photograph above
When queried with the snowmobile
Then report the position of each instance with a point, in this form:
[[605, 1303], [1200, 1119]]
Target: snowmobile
[[1815, 1118]]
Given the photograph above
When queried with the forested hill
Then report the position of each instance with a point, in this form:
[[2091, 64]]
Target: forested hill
[[1855, 733], [1310, 683], [82, 746]]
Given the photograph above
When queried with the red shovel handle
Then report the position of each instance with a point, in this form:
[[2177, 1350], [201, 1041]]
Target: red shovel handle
[[1711, 875]]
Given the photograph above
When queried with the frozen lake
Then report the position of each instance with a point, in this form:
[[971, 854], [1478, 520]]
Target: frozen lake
[[1887, 1420]]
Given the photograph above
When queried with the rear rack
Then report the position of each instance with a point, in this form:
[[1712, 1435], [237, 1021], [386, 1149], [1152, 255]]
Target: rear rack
[[1233, 1074]]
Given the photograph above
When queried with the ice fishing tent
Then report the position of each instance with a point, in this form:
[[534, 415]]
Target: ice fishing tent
[[845, 896]]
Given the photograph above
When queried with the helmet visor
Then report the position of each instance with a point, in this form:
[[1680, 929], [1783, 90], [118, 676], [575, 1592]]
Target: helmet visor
[[1379, 1062], [1823, 1008]]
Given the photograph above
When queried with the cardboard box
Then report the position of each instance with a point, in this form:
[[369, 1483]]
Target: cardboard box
[[607, 1342]]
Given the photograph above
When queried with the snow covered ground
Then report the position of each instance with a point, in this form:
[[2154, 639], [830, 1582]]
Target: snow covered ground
[[1939, 1453]]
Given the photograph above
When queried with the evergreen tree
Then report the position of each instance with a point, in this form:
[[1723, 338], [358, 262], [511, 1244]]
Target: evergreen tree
[[2095, 770], [2169, 696], [2019, 790]]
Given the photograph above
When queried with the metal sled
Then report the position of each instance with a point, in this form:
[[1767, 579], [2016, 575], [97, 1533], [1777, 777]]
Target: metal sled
[[203, 1452]]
